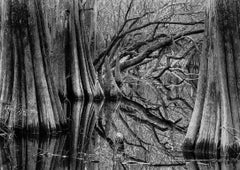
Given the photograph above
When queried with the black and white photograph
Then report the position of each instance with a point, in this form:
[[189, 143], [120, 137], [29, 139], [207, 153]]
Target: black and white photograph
[[119, 84]]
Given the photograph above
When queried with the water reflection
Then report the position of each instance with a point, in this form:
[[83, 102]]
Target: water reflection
[[32, 154], [214, 165], [109, 135], [74, 150], [84, 117]]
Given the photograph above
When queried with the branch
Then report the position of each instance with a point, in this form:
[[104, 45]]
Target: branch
[[155, 47], [125, 18], [181, 100], [128, 10], [150, 116], [144, 121], [131, 131], [136, 145], [161, 72], [158, 23]]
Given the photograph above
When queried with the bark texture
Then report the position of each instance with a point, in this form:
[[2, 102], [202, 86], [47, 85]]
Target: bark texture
[[26, 80], [214, 126], [84, 82]]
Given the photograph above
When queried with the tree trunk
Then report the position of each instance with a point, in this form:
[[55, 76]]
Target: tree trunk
[[110, 87], [214, 126], [26, 78], [84, 82]]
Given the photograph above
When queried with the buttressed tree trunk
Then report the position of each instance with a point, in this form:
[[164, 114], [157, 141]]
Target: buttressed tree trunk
[[214, 126], [84, 82], [26, 82]]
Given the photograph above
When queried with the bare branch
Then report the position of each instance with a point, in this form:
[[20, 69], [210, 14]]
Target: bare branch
[[155, 47], [128, 10], [131, 131], [160, 22], [181, 100], [150, 116]]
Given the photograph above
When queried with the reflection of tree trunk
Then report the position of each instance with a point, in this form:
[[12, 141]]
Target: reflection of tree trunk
[[6, 159], [83, 123], [225, 165], [215, 119], [26, 78], [25, 153]]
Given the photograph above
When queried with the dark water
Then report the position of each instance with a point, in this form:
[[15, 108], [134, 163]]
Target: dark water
[[92, 143], [59, 153]]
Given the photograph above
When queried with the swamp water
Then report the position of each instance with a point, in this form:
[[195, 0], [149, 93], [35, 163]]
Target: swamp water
[[92, 144]]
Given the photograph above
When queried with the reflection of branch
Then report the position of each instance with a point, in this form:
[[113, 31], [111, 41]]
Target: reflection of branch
[[111, 144], [103, 135], [131, 131], [131, 159], [166, 150], [181, 100], [161, 72], [156, 136], [136, 145], [144, 121], [168, 165], [152, 117]]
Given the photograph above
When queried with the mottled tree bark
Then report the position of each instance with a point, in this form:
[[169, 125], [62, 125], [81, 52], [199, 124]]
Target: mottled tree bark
[[214, 126]]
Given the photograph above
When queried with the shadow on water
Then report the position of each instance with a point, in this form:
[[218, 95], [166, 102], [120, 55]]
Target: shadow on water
[[108, 135]]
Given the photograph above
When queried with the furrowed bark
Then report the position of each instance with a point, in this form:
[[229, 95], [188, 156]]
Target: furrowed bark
[[26, 79], [46, 114], [31, 100], [6, 60], [75, 70], [230, 118], [220, 122], [81, 52], [84, 77], [16, 83], [59, 114]]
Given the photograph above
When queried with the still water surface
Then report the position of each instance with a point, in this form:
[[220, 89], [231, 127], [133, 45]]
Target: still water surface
[[91, 143]]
